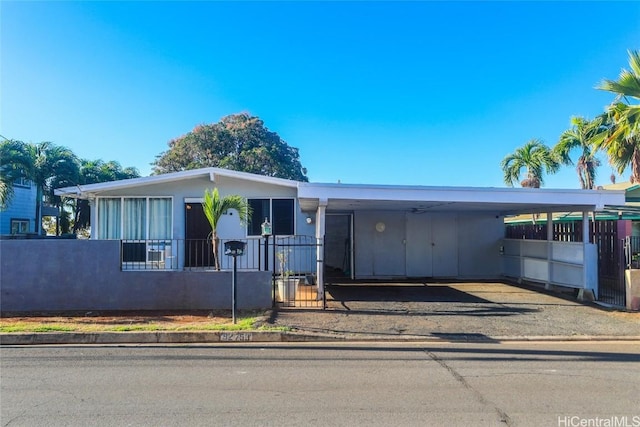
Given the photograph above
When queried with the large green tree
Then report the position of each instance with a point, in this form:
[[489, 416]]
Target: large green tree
[[536, 158], [214, 207], [583, 135], [623, 141], [239, 142]]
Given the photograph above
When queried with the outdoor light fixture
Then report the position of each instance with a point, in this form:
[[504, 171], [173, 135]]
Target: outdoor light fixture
[[266, 232], [380, 227], [266, 228], [309, 220]]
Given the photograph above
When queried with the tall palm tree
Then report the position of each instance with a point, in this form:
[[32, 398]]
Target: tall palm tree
[[51, 166], [91, 172], [623, 142], [535, 157], [14, 164], [214, 206], [583, 135]]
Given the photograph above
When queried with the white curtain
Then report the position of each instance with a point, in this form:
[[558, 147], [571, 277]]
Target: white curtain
[[135, 215], [109, 218], [159, 218]]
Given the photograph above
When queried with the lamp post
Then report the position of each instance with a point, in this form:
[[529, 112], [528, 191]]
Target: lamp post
[[235, 249]]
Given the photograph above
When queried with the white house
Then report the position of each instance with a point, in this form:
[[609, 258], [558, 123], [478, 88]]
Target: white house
[[362, 231]]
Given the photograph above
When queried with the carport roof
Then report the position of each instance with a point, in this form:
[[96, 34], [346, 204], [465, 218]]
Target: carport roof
[[419, 199], [422, 199]]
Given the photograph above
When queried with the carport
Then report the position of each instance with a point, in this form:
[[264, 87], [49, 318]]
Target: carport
[[395, 232]]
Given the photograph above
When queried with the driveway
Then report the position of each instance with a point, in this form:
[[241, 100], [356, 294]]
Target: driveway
[[456, 310]]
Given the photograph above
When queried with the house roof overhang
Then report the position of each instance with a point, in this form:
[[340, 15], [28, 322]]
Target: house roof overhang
[[92, 190], [418, 199], [422, 199]]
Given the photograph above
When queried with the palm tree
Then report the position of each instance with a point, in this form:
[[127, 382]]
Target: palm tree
[[51, 166], [214, 206], [623, 141], [584, 134], [14, 164], [535, 157], [91, 172]]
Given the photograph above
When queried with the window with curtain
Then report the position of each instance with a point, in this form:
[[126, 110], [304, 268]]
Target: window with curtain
[[109, 218], [159, 218], [135, 218]]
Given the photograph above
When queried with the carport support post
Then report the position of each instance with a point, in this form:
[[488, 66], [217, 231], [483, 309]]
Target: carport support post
[[320, 231], [586, 294], [549, 249]]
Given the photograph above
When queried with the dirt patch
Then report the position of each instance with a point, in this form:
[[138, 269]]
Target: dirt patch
[[126, 320]]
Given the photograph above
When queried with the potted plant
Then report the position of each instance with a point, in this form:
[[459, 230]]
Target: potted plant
[[287, 284]]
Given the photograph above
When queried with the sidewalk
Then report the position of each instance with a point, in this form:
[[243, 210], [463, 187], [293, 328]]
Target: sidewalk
[[453, 312]]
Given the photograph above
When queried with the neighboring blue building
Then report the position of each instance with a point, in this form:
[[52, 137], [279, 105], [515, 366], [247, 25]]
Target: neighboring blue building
[[20, 215]]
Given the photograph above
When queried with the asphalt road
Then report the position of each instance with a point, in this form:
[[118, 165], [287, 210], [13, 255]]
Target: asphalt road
[[342, 384]]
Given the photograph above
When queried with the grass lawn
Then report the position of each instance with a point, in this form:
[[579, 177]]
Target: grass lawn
[[134, 321]]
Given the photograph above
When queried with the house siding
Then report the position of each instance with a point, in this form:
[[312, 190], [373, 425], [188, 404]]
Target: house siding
[[229, 227], [23, 206]]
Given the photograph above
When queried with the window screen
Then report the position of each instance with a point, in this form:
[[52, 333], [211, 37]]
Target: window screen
[[282, 217], [279, 212]]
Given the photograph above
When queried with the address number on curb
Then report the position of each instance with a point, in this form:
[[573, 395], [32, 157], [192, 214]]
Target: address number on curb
[[235, 337]]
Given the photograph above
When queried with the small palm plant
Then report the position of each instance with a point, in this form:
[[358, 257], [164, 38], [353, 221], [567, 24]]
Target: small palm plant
[[583, 135], [214, 206], [535, 157]]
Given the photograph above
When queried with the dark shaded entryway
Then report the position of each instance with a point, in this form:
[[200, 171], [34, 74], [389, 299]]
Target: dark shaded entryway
[[197, 245]]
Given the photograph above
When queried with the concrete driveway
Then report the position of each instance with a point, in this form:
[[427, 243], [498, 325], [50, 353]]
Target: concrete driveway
[[456, 311]]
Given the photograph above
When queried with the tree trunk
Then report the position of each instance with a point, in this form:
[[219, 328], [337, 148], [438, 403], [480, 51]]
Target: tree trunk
[[215, 241], [635, 166], [38, 224]]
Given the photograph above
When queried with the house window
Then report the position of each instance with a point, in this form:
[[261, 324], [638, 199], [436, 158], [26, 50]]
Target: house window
[[135, 218], [280, 213], [22, 182], [19, 226], [109, 220]]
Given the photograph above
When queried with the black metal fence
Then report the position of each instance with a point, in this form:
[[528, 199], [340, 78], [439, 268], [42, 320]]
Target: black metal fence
[[292, 259], [187, 254]]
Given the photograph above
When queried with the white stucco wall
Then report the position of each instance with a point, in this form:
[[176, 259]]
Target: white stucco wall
[[194, 189]]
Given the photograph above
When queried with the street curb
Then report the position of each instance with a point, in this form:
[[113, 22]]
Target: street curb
[[205, 337]]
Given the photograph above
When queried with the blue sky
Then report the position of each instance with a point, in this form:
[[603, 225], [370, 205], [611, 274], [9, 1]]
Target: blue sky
[[427, 93]]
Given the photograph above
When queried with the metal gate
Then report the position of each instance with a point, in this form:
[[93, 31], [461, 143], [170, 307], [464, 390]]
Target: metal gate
[[295, 262], [611, 263]]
